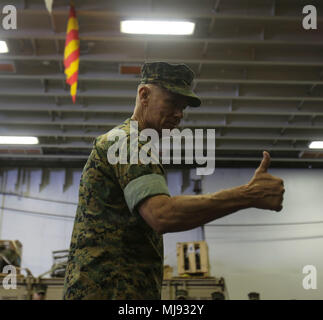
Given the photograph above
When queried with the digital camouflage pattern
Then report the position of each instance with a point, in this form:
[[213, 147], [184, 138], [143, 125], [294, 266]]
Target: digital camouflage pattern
[[114, 253], [176, 78]]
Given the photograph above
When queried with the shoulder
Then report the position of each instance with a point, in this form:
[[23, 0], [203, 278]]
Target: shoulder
[[118, 133]]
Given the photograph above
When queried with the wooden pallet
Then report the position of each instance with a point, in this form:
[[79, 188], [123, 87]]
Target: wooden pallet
[[192, 258]]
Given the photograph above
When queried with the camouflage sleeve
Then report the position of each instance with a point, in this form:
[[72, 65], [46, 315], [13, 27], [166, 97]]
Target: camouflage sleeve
[[144, 187], [139, 181]]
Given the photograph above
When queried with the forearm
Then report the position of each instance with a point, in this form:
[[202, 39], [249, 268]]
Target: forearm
[[171, 214], [187, 212]]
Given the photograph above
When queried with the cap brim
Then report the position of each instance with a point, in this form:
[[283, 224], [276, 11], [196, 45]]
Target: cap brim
[[193, 99]]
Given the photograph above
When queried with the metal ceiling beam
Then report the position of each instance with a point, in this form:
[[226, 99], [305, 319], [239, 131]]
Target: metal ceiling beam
[[118, 78], [105, 13], [48, 35], [34, 45], [209, 110], [108, 58], [259, 135], [42, 156], [217, 158], [184, 124], [126, 95], [236, 147]]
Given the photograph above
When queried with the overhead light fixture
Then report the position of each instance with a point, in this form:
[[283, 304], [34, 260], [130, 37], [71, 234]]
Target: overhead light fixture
[[3, 46], [157, 27], [316, 145], [18, 140]]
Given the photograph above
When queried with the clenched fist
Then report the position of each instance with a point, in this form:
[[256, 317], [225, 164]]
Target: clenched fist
[[265, 190]]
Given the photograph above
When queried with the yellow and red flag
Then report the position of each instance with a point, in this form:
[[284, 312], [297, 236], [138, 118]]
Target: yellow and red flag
[[72, 52]]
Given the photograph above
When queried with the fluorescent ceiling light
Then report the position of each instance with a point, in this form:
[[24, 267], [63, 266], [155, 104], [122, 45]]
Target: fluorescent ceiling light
[[316, 145], [157, 27], [3, 47], [18, 140]]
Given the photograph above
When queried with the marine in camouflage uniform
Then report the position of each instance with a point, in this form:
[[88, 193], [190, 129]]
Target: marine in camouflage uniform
[[114, 253]]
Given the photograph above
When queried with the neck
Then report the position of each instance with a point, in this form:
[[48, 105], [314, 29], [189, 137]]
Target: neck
[[141, 124], [138, 115]]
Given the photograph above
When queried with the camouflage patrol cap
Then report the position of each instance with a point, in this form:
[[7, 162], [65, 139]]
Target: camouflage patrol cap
[[176, 78]]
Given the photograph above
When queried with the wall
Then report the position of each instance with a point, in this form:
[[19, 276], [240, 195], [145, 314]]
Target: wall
[[38, 208], [265, 251], [254, 250]]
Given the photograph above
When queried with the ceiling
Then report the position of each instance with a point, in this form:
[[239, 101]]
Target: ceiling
[[258, 72]]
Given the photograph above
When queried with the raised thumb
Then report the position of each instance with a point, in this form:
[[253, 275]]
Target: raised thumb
[[265, 163]]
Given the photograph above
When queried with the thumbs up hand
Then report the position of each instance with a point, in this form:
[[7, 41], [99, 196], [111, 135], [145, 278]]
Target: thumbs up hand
[[266, 190], [265, 163]]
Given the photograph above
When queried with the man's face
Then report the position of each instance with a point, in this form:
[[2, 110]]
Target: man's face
[[165, 109]]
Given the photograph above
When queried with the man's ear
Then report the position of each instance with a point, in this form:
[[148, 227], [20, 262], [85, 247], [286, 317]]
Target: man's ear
[[144, 93]]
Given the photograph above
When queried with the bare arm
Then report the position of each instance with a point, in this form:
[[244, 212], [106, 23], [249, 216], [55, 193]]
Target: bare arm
[[180, 213]]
